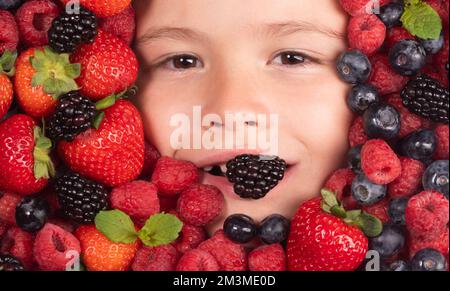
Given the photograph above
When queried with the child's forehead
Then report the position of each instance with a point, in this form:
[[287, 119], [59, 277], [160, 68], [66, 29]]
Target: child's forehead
[[212, 14], [181, 11]]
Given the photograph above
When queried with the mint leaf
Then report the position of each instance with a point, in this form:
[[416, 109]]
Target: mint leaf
[[116, 226], [160, 229], [421, 20]]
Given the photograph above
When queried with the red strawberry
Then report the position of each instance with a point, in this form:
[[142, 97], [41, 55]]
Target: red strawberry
[[108, 66], [41, 77], [113, 154], [321, 241], [103, 8], [24, 156]]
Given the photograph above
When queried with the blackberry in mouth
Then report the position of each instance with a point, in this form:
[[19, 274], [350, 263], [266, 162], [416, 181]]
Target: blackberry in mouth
[[254, 176]]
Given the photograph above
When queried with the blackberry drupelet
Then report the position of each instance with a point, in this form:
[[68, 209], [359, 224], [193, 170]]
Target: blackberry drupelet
[[10, 263], [254, 176], [424, 96], [73, 115], [80, 199], [68, 31]]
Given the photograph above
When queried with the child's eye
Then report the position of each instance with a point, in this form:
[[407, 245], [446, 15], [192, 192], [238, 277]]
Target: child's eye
[[289, 58], [181, 62]]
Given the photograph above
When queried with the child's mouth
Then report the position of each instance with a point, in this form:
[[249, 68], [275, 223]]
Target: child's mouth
[[248, 176]]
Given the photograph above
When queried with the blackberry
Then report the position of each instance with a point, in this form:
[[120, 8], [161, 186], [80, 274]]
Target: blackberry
[[73, 116], [10, 263], [426, 97], [254, 176], [80, 199], [68, 31]]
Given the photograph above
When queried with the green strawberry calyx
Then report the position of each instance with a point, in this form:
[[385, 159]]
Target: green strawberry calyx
[[54, 72], [43, 165], [7, 61], [107, 102], [159, 229], [369, 224]]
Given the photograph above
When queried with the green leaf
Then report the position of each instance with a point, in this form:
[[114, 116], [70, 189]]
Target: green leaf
[[73, 70], [329, 197], [421, 20], [160, 229], [98, 120], [116, 226], [106, 102], [370, 225], [43, 165], [7, 61]]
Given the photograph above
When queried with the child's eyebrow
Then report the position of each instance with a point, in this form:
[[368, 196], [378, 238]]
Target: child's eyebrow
[[269, 29]]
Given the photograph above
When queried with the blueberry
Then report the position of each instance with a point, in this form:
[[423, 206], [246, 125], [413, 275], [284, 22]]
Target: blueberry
[[396, 266], [436, 177], [354, 67], [396, 210], [31, 213], [10, 4], [428, 260], [240, 228], [274, 229], [390, 14], [389, 242], [407, 57], [354, 159], [381, 121], [361, 96], [433, 46], [366, 192], [419, 145]]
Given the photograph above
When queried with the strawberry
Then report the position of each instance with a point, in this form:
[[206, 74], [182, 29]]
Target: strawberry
[[109, 66], [103, 8], [7, 60], [100, 254], [25, 165], [324, 237], [41, 77], [113, 154]]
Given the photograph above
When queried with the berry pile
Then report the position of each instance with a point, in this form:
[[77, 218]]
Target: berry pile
[[83, 178]]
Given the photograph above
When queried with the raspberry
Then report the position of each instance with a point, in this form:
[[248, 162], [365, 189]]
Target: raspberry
[[379, 210], [230, 255], [434, 72], [51, 246], [366, 33], [200, 204], [427, 214], [190, 237], [339, 182], [383, 76], [409, 180], [440, 60], [197, 260], [357, 7], [409, 122], [161, 258], [8, 203], [139, 199], [440, 243], [9, 33], [379, 162], [356, 134], [397, 34], [267, 258], [3, 228], [64, 224], [19, 244], [122, 25], [173, 176], [442, 148], [34, 19], [151, 156]]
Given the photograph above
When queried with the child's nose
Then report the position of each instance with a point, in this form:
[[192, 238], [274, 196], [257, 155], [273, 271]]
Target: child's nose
[[236, 92]]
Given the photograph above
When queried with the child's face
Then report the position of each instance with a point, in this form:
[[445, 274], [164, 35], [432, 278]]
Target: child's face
[[253, 56]]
